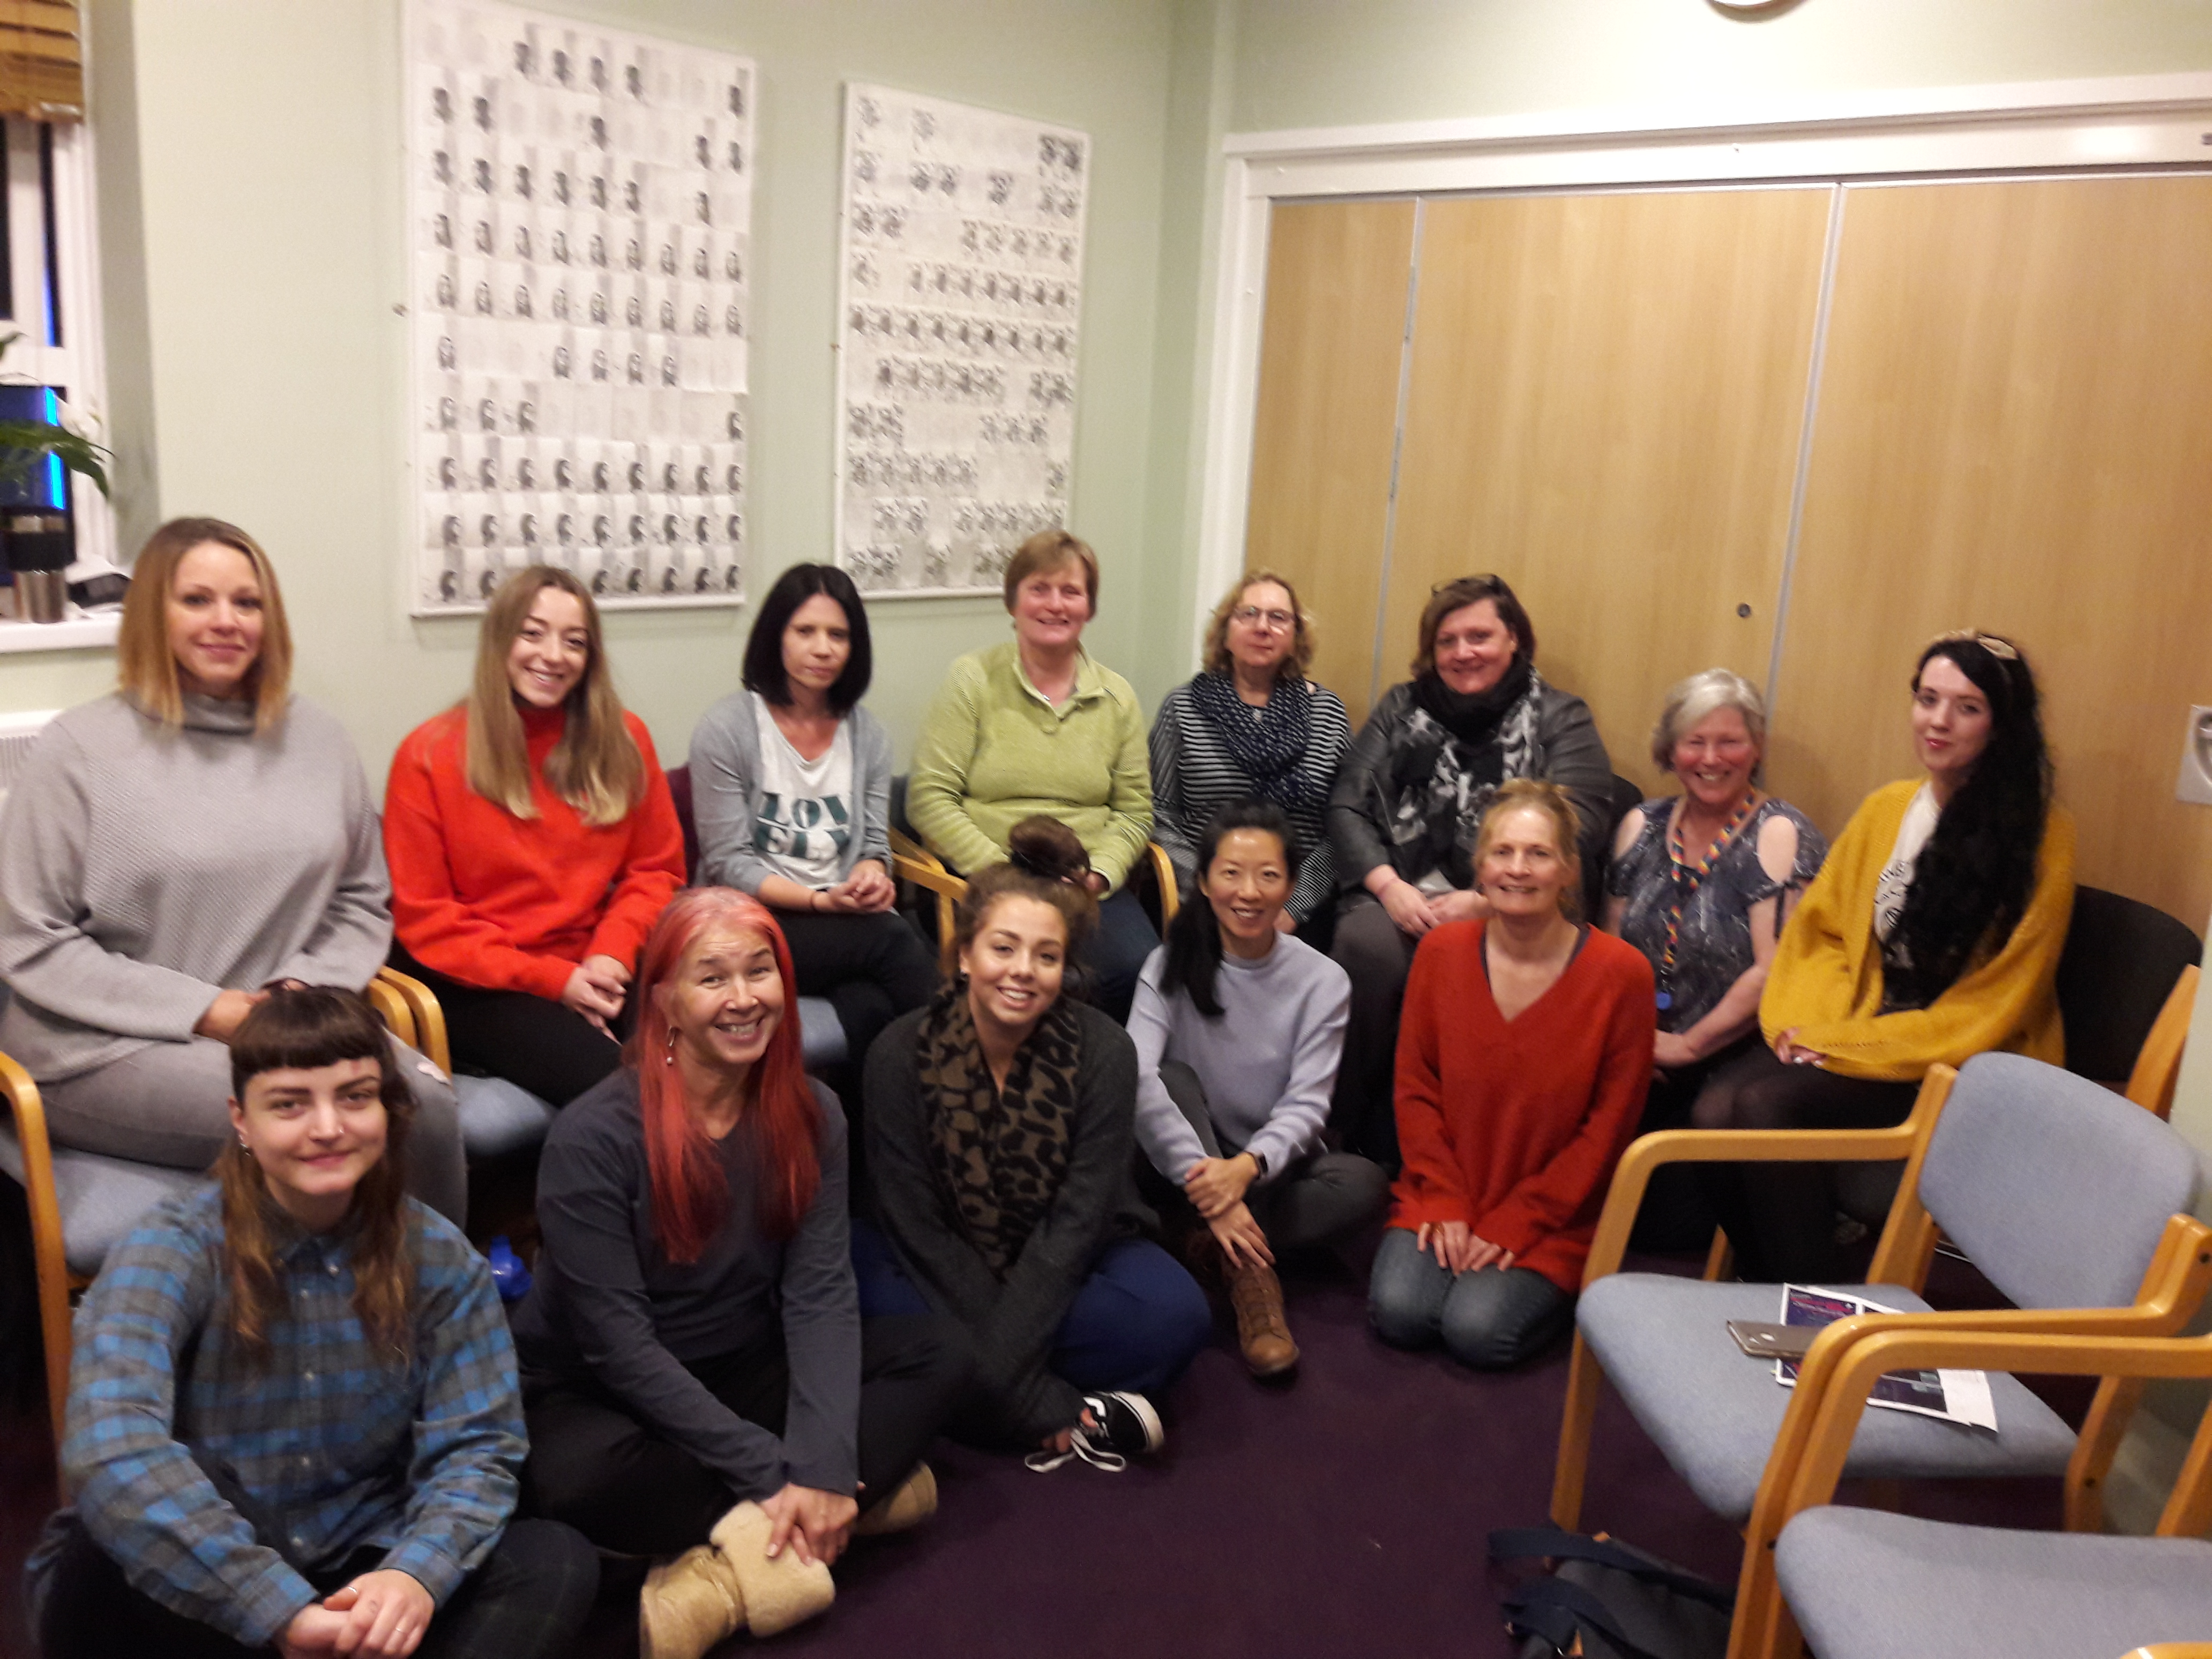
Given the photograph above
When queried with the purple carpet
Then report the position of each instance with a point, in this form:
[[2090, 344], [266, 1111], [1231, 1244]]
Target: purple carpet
[[1344, 1513]]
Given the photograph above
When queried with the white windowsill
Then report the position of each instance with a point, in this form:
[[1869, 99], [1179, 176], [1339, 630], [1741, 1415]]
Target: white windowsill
[[77, 632]]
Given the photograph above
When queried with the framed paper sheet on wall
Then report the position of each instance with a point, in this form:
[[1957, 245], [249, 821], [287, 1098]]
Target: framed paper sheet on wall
[[958, 332], [581, 203]]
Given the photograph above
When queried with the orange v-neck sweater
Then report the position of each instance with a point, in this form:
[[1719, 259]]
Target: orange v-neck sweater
[[514, 904], [1514, 1126]]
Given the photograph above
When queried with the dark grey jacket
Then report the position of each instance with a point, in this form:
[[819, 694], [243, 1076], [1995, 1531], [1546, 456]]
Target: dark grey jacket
[[1013, 1322], [1570, 753]]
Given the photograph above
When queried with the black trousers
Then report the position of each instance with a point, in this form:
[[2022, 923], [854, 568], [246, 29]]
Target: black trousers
[[545, 1047], [1379, 956], [627, 1488], [872, 969], [1677, 1213], [528, 1599], [1782, 1217]]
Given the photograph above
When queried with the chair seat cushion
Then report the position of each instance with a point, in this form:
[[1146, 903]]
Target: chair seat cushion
[[1715, 1411], [821, 1034], [498, 1117], [1864, 1583], [100, 1198]]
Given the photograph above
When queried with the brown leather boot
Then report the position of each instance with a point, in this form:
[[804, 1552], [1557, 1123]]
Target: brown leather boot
[[1262, 1333]]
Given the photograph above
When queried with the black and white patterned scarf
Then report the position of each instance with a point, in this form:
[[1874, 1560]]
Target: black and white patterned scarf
[[1002, 1154], [1268, 742], [1441, 780]]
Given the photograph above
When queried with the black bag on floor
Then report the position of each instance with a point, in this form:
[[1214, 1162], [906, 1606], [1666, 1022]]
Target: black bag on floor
[[1608, 1600]]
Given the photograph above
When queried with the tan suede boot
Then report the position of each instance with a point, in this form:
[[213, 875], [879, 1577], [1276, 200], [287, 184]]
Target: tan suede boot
[[1262, 1333], [712, 1592], [912, 1503]]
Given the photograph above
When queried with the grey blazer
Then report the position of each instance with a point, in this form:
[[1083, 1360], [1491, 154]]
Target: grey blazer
[[726, 793]]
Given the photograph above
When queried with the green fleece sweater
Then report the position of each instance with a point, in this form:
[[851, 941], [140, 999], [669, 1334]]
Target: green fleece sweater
[[993, 751]]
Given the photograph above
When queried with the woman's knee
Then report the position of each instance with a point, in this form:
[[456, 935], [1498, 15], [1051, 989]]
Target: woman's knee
[[1494, 1319], [1401, 1292]]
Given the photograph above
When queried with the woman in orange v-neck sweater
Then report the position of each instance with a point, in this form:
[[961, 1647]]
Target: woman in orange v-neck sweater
[[1510, 1127], [525, 878]]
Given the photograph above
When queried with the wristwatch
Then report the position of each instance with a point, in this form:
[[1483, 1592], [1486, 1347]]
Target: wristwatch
[[1259, 1164]]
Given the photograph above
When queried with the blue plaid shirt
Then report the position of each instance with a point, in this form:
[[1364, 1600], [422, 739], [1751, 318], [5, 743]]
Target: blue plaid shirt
[[334, 1446]]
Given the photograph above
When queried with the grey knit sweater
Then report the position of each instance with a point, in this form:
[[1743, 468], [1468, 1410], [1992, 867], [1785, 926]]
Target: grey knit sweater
[[144, 869]]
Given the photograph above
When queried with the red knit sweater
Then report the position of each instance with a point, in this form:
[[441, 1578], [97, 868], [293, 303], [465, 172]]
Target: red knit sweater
[[514, 904], [1514, 1126]]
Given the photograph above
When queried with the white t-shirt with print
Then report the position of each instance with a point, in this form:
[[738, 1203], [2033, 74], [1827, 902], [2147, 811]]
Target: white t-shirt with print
[[807, 817]]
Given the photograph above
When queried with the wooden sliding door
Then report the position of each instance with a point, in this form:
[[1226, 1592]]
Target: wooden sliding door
[[1330, 353], [1606, 400], [2014, 433]]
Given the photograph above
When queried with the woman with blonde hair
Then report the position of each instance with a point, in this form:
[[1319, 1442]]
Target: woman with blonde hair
[[293, 1421], [1249, 726], [176, 849], [1526, 1051], [533, 843], [1037, 726]]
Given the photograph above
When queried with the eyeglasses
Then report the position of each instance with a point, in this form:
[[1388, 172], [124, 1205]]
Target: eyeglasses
[[1252, 617], [2003, 650]]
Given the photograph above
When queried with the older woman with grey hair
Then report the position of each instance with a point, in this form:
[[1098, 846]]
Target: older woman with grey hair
[[1701, 882]]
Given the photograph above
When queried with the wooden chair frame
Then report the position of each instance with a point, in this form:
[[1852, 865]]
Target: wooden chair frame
[[398, 1000], [912, 861], [2158, 1065], [2172, 1285], [1849, 1355]]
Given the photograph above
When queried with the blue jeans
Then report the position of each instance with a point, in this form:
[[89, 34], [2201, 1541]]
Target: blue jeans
[[1489, 1319], [1137, 1321], [1115, 955]]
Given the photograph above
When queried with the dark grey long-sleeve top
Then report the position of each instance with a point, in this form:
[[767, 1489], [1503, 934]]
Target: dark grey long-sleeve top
[[609, 1306], [1012, 1323]]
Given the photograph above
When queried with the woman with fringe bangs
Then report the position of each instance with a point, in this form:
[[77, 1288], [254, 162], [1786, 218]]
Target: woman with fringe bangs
[[1931, 934], [294, 1419], [1238, 1029], [699, 1381], [533, 841]]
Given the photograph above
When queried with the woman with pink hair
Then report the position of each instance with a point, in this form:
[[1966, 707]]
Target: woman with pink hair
[[697, 1378]]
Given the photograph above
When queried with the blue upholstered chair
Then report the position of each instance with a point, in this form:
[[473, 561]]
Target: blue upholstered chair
[[1860, 1583], [2064, 1194]]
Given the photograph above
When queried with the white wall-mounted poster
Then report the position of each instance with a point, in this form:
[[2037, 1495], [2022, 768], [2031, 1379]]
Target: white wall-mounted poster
[[961, 296], [580, 209]]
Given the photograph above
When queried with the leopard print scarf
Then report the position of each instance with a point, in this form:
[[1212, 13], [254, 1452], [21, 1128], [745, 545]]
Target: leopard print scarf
[[1000, 1154]]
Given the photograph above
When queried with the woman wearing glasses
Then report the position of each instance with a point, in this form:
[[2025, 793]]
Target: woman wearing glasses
[[1249, 726], [1408, 804], [1931, 934]]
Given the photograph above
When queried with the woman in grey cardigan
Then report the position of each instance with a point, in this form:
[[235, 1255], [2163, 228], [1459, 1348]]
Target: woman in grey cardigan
[[1410, 799], [176, 848], [791, 785]]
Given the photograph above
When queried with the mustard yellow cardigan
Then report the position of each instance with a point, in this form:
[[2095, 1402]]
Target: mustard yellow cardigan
[[1826, 982]]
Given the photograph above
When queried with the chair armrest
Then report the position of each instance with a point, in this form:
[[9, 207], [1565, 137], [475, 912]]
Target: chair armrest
[[426, 1020], [29, 1113], [912, 861], [391, 1008], [2158, 1066], [1164, 873], [1648, 1153]]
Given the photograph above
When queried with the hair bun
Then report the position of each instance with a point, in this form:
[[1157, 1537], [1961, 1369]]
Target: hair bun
[[1044, 846]]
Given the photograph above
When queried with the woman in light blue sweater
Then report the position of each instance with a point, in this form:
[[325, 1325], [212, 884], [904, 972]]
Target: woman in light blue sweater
[[1239, 1027]]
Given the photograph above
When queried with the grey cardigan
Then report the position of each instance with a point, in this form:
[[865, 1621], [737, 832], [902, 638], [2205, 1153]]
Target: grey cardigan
[[726, 793], [1012, 1323], [144, 868]]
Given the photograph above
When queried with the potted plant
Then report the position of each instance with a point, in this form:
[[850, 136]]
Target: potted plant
[[39, 539]]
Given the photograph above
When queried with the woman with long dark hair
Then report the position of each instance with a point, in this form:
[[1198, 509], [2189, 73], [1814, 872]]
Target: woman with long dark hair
[[1475, 716], [791, 784], [698, 1379], [533, 841], [999, 1149], [293, 1413], [1931, 934], [1238, 1028]]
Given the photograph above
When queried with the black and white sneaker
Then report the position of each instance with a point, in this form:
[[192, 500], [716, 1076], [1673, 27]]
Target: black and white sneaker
[[1128, 1427]]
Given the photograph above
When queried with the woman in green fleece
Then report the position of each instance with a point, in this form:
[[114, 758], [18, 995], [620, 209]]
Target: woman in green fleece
[[1035, 725]]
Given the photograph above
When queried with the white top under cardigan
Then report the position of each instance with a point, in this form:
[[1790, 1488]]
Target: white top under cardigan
[[144, 868], [1268, 1064]]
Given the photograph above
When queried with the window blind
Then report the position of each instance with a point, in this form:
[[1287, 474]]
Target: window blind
[[41, 60]]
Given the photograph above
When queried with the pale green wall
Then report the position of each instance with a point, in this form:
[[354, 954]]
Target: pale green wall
[[1323, 63], [253, 221]]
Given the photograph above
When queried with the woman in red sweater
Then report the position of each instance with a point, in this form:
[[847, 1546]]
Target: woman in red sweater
[[532, 844], [1523, 1059]]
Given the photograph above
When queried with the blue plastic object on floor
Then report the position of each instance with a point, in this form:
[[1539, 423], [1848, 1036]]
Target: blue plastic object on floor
[[507, 1271]]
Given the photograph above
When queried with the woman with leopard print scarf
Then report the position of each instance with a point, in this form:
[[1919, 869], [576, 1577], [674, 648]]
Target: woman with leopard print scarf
[[1001, 1133]]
